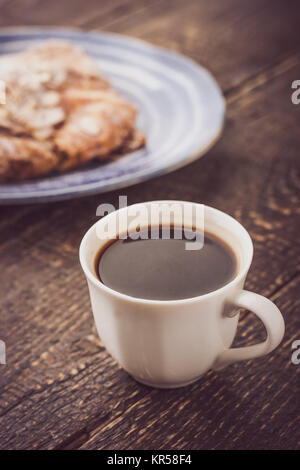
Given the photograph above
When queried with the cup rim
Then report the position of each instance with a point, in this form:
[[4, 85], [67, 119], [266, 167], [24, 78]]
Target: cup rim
[[97, 283]]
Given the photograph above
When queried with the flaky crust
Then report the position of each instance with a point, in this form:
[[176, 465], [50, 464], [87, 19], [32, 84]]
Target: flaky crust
[[22, 158], [59, 113]]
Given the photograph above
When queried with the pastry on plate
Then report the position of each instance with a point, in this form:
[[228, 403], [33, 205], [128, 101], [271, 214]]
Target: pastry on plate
[[59, 113]]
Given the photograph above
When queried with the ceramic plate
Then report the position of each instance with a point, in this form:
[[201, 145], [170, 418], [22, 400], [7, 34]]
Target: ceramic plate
[[181, 112]]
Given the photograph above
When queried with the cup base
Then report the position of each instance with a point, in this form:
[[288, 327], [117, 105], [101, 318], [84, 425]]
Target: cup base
[[166, 386]]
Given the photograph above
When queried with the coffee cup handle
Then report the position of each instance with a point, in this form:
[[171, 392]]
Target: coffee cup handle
[[273, 321]]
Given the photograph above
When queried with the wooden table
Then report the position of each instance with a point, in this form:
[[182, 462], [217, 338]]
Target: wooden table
[[60, 389]]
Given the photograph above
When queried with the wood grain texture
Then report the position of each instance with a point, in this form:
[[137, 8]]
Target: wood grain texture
[[60, 388], [66, 13]]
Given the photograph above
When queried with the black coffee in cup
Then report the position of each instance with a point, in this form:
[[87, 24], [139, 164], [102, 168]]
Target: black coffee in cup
[[163, 269]]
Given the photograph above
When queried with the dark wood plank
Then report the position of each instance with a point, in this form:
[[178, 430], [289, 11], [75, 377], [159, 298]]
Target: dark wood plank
[[60, 388], [60, 385], [234, 39], [64, 13]]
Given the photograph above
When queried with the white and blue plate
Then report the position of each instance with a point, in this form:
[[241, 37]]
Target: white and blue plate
[[181, 111]]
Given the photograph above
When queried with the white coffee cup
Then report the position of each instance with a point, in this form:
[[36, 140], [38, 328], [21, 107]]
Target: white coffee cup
[[172, 343]]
